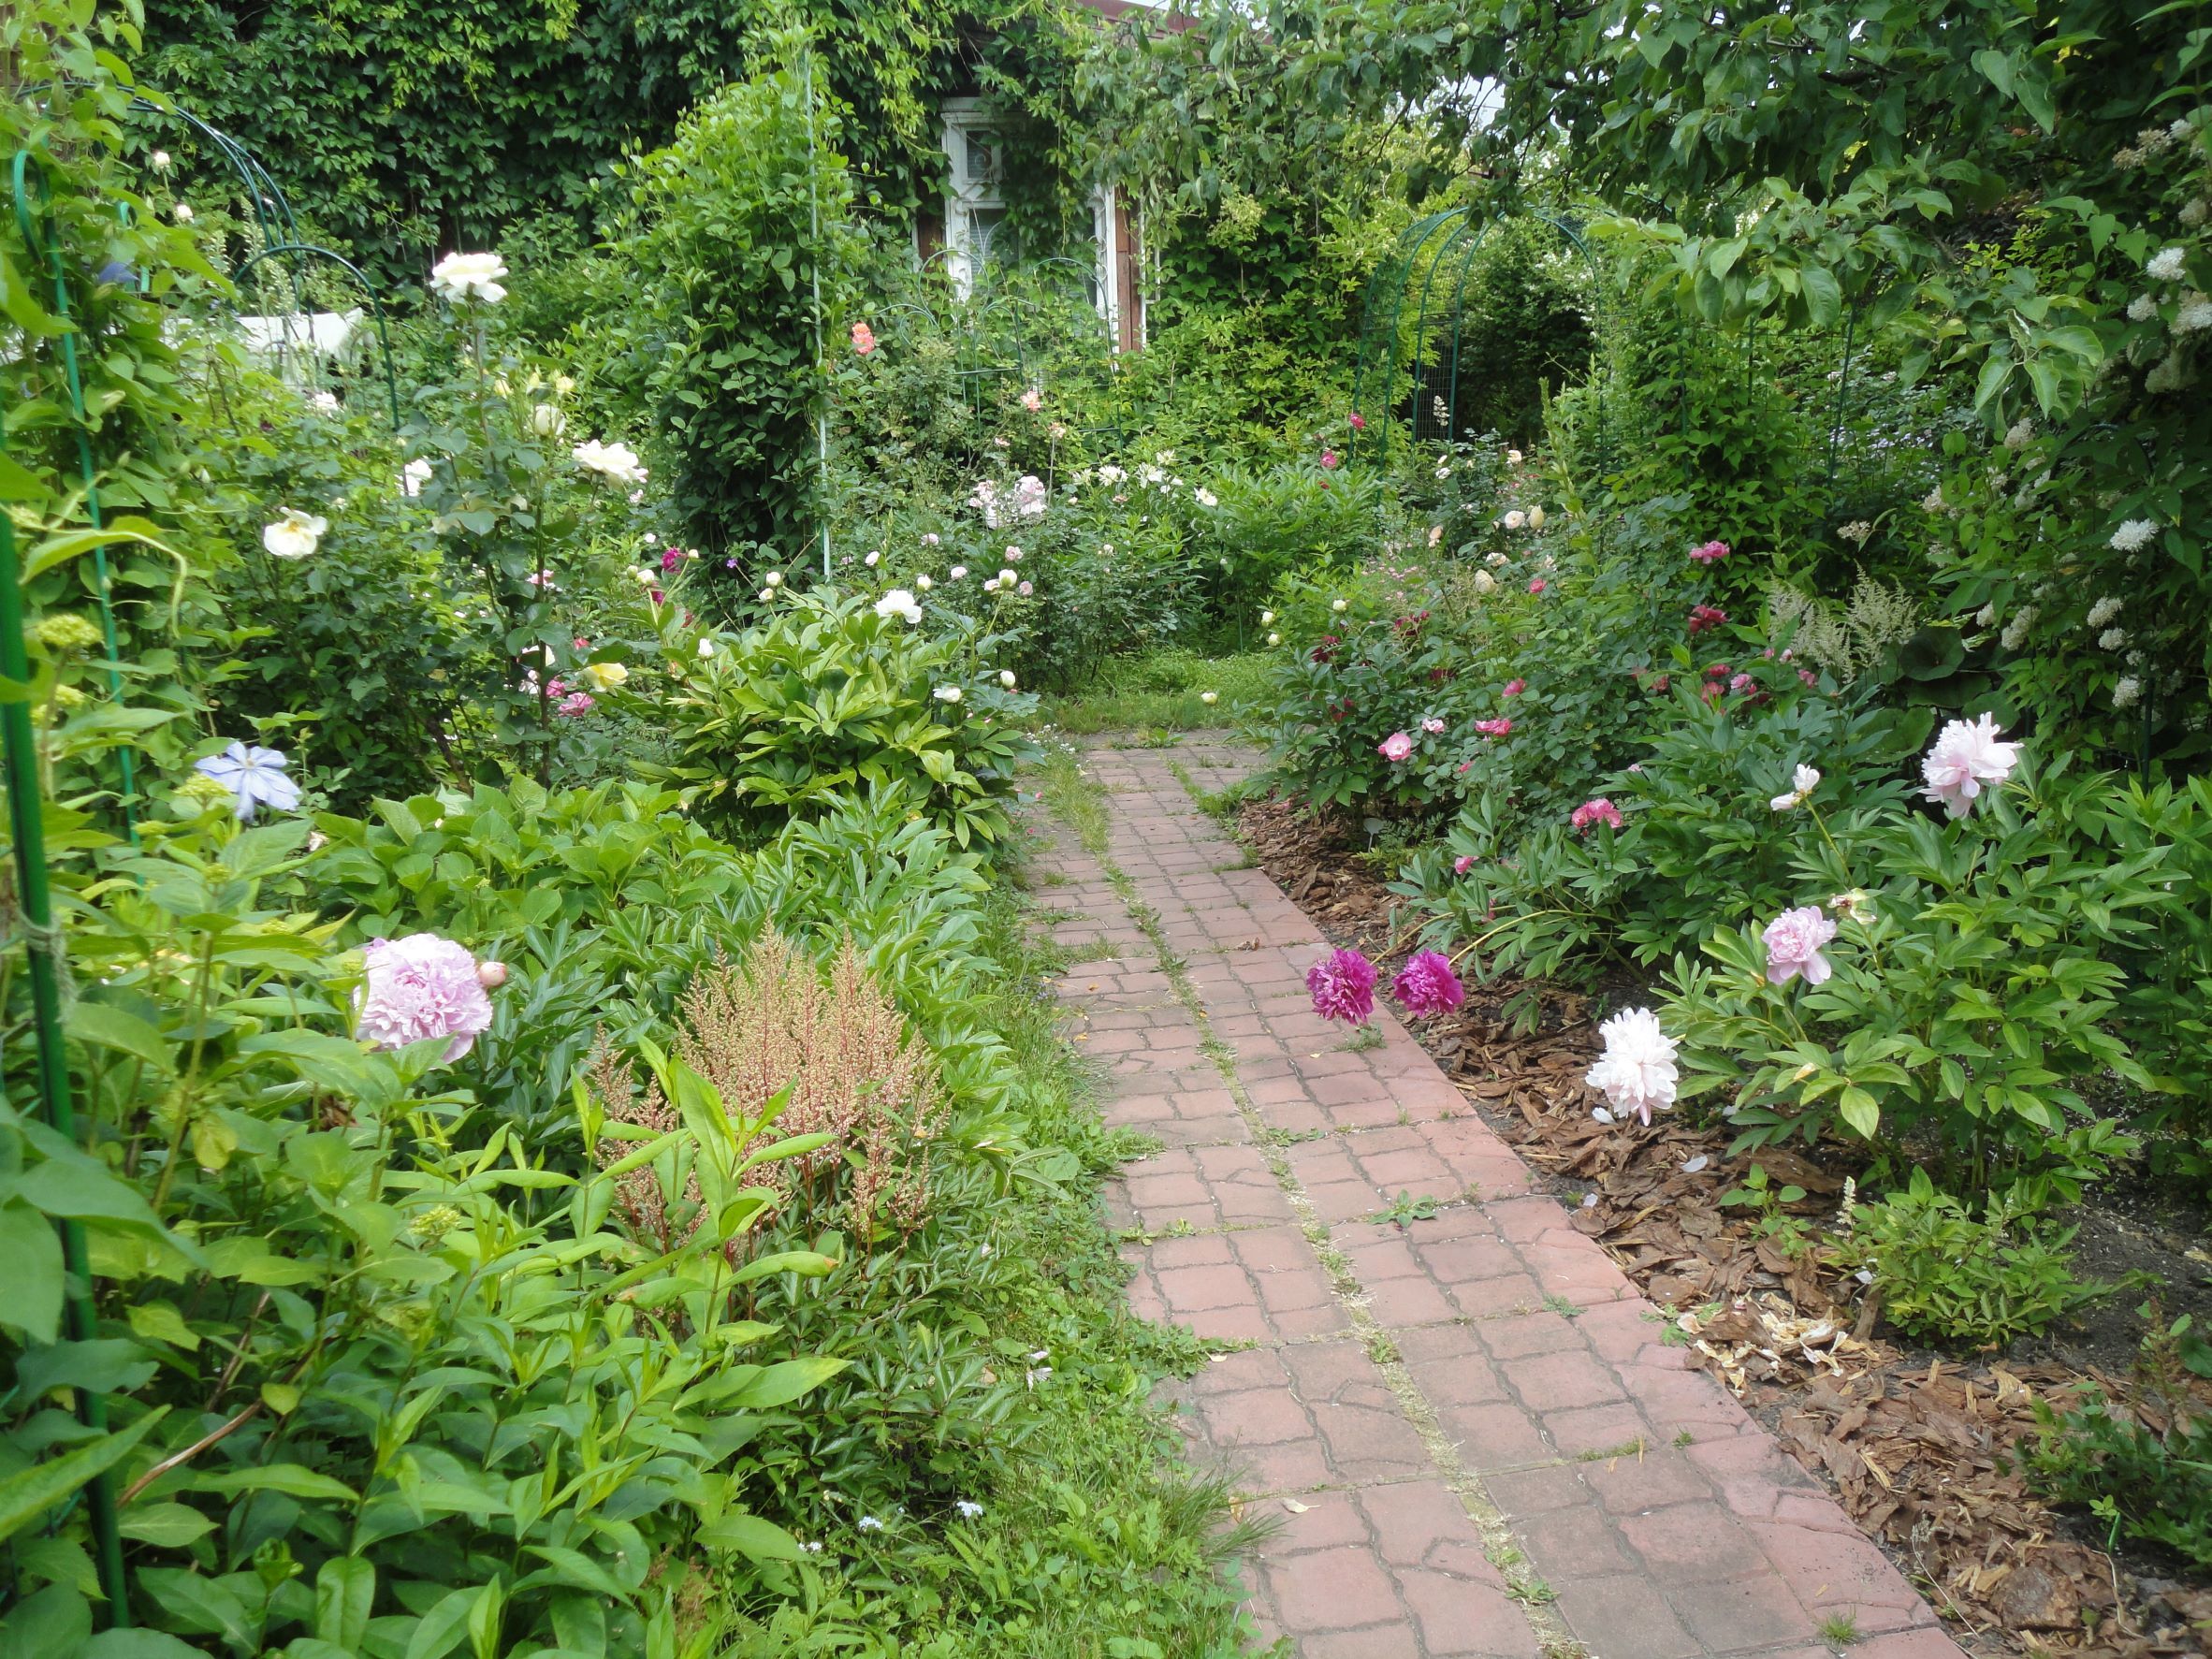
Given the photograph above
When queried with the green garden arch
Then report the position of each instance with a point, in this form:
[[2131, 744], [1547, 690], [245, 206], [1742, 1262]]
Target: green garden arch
[[1409, 366]]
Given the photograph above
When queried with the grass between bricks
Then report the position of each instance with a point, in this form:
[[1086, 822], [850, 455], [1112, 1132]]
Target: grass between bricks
[[1080, 801]]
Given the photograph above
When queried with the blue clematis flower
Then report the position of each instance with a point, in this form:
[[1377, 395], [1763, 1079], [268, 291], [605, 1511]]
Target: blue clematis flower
[[254, 778]]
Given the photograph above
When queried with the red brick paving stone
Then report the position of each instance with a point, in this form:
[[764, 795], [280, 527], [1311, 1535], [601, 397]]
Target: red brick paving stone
[[1472, 1265], [1242, 1286], [1203, 1187], [1624, 1617], [1453, 1374], [1834, 1574], [1686, 1544], [1744, 1615], [1908, 1644], [1181, 1117], [1398, 1289], [1300, 1417], [1572, 1544], [1567, 1380]]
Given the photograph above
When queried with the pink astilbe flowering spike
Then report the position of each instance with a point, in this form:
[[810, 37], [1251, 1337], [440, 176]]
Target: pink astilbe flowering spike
[[1342, 987], [420, 987], [1427, 985]]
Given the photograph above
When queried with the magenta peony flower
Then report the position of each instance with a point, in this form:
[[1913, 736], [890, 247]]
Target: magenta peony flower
[[1396, 746], [1966, 757], [420, 987], [1597, 811], [1810, 677], [1538, 585], [1359, 421], [1462, 864], [574, 704], [1710, 552], [1794, 940], [1329, 460], [1500, 727], [670, 560], [1342, 987], [1514, 688], [1427, 985]]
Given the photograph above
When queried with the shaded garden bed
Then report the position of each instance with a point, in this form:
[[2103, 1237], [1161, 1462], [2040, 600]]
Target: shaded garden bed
[[1919, 1444]]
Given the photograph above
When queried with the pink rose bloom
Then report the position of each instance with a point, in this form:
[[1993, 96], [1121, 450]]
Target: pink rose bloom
[[1498, 728], [1538, 585], [1964, 759], [1462, 864], [1598, 811], [1514, 688], [1793, 941], [575, 703], [1342, 984], [864, 339], [1742, 683], [1710, 552], [1431, 727], [1427, 985], [1329, 458], [1462, 765], [420, 987], [1396, 746]]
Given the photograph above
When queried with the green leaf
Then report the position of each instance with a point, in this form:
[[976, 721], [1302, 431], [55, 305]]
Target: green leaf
[[201, 1605], [777, 1385], [30, 1492], [159, 1322], [345, 1589], [139, 1644], [1996, 67], [294, 1480], [752, 1538], [443, 1625], [36, 1275], [99, 1025], [166, 1526]]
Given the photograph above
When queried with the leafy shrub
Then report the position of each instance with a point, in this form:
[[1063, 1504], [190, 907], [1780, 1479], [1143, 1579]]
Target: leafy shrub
[[822, 696], [1942, 1274], [2147, 1469]]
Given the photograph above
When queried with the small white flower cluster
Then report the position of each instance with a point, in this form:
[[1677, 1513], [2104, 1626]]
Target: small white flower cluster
[[2015, 628], [2132, 536], [1856, 533], [2127, 693], [2019, 434], [2151, 141], [2111, 639], [2107, 608]]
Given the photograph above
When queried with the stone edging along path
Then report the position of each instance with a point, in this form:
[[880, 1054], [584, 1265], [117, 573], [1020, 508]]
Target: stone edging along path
[[1472, 1429]]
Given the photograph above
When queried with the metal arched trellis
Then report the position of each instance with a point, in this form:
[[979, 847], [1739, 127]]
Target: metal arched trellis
[[1409, 367]]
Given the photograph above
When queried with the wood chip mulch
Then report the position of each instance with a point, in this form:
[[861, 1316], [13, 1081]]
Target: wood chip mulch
[[1919, 1446]]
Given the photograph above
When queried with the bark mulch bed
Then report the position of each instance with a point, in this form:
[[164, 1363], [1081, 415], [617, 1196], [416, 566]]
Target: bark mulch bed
[[1917, 1443]]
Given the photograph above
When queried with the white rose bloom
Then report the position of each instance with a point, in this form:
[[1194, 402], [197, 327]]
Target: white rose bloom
[[460, 277], [1535, 518], [615, 461], [325, 402], [899, 603], [1485, 582], [1513, 458], [295, 535], [547, 421], [873, 558]]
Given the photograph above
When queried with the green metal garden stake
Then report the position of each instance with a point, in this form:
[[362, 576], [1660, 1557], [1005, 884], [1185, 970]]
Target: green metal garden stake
[[43, 947]]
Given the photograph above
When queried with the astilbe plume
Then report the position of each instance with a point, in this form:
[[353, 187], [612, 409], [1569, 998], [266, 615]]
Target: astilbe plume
[[854, 1071], [644, 1204]]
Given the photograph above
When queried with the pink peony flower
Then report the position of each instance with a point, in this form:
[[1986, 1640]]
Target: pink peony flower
[[1704, 616], [1359, 421], [1810, 677], [1396, 746], [1514, 688], [1965, 758], [1500, 727], [1710, 552], [1462, 864], [1742, 683], [1427, 985], [864, 339], [420, 987], [1538, 585], [1431, 727], [1329, 460], [1597, 811], [1793, 939], [670, 560], [1342, 987], [575, 703]]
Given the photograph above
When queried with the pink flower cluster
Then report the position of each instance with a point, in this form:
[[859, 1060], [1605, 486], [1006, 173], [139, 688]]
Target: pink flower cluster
[[1500, 727], [1595, 811], [1342, 985], [1709, 553]]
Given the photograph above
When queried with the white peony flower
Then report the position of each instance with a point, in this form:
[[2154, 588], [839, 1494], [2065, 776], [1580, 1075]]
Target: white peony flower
[[1535, 518], [948, 694], [615, 461], [1485, 582], [1514, 519], [1340, 605], [295, 535], [1209, 698], [774, 578], [1274, 639], [958, 573], [899, 603], [925, 582], [706, 646], [161, 161], [1803, 781], [1007, 578], [460, 277], [1005, 679], [1636, 1072], [1267, 619]]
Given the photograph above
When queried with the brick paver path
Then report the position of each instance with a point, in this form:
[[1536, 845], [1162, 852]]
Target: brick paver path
[[1471, 1428]]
